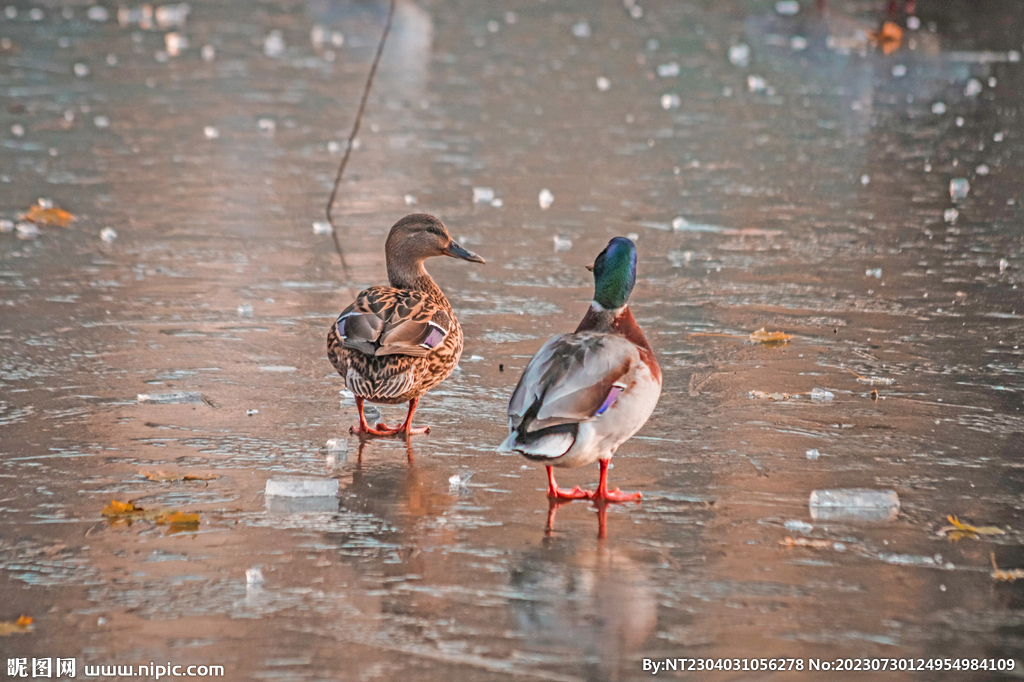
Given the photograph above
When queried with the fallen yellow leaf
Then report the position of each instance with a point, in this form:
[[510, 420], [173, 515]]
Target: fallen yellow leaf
[[20, 626], [48, 216], [1009, 575], [769, 338], [164, 477], [116, 508], [177, 518], [889, 38], [789, 542], [959, 530]]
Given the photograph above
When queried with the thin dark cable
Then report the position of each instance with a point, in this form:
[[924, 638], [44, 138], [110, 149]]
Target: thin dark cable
[[352, 137]]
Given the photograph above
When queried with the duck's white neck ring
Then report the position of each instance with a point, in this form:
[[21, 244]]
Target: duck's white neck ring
[[598, 308]]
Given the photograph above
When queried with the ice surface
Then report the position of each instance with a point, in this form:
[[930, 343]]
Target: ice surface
[[299, 486], [173, 398]]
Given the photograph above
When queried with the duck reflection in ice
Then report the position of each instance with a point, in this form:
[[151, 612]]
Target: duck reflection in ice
[[593, 606]]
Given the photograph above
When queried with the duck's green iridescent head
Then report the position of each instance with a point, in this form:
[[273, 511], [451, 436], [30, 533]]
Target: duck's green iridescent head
[[615, 273]]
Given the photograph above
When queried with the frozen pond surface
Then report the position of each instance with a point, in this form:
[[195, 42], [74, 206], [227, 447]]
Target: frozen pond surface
[[801, 184]]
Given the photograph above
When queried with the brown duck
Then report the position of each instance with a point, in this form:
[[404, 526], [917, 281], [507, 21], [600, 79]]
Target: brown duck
[[396, 343]]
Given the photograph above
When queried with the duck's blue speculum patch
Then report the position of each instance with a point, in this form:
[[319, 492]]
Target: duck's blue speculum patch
[[615, 273]]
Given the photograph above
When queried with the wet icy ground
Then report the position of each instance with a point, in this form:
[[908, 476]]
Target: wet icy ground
[[813, 184]]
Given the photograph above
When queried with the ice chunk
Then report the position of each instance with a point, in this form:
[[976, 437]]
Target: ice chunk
[[1003, 264], [337, 445], [545, 198], [950, 215], [267, 125], [581, 29], [561, 243], [245, 309], [739, 55], [670, 101], [276, 368], [169, 16], [865, 179], [175, 43], [857, 504], [798, 43], [301, 486], [173, 398], [679, 223], [983, 169], [6, 225], [787, 7], [458, 481], [18, 130], [756, 83], [899, 70], [821, 394], [798, 526], [913, 23], [997, 137], [211, 133], [603, 84], [81, 70], [483, 195], [27, 230], [410, 199], [813, 453], [254, 576], [939, 108], [973, 88], [209, 53], [873, 272], [108, 234], [497, 203], [669, 70], [97, 13], [249, 413], [322, 227], [348, 398], [958, 188], [101, 122], [273, 44]]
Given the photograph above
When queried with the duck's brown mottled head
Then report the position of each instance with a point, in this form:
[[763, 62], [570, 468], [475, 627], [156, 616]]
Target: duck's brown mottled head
[[415, 238]]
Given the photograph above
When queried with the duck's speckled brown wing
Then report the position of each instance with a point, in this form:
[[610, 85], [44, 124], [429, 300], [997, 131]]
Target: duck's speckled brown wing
[[392, 345]]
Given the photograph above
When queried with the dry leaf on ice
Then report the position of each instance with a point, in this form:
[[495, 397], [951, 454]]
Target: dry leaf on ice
[[959, 530], [20, 626], [789, 542], [769, 338], [48, 216], [1008, 575]]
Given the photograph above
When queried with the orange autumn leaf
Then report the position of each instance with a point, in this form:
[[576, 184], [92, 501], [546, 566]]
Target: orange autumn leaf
[[20, 626], [48, 216], [789, 543], [769, 338], [889, 38], [177, 519], [116, 508]]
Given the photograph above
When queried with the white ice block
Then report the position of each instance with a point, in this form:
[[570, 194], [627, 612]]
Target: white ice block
[[298, 486]]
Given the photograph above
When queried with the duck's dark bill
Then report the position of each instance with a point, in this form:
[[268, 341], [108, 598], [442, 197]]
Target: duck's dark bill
[[456, 251]]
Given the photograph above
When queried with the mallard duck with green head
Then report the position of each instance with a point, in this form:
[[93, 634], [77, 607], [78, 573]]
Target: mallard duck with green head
[[395, 343], [584, 394]]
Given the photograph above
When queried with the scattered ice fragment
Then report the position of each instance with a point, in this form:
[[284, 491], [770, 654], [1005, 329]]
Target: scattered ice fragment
[[35, 14], [632, 236], [813, 453], [992, 81], [950, 215], [249, 413], [679, 223], [81, 70], [939, 108], [245, 309], [18, 130], [799, 526], [27, 230], [739, 55], [300, 486], [899, 70], [603, 84], [865, 179], [493, 26], [858, 504], [483, 195], [276, 368], [170, 16], [173, 398], [209, 52], [670, 101], [873, 272], [497, 203], [317, 35], [211, 133], [545, 198], [787, 7], [457, 481], [913, 23], [337, 39], [98, 13], [273, 44], [337, 445], [511, 17], [11, 12], [983, 169], [409, 200], [267, 125], [348, 398], [45, 202], [175, 43], [798, 43], [6, 225], [581, 29], [561, 243], [111, 59], [958, 188], [838, 546], [143, 16], [101, 122], [322, 227], [998, 137], [959, 121], [1003, 264], [669, 70], [973, 88], [371, 412], [756, 83], [108, 234], [821, 395], [636, 11], [333, 147], [253, 576]]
